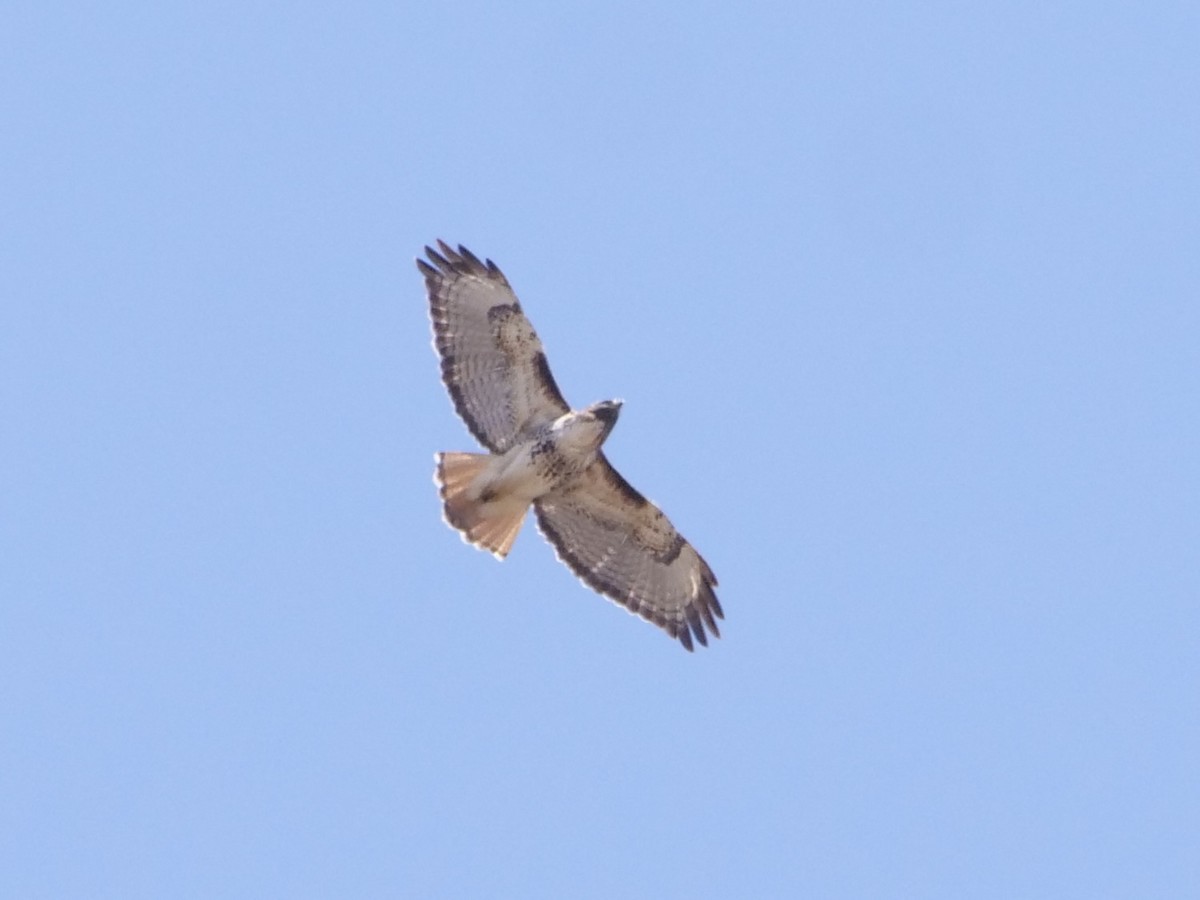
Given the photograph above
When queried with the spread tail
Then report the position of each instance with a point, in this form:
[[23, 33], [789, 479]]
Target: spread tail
[[492, 523]]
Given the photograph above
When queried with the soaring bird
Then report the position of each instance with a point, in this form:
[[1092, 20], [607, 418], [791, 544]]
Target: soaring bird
[[542, 453]]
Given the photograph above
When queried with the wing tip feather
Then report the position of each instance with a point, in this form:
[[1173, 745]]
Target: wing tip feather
[[685, 637], [450, 261]]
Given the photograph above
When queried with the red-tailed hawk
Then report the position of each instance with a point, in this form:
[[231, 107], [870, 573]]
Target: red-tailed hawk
[[547, 455]]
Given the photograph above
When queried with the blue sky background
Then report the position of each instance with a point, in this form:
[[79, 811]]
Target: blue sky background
[[904, 302]]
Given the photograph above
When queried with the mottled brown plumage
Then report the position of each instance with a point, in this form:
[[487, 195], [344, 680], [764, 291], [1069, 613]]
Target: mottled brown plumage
[[546, 455]]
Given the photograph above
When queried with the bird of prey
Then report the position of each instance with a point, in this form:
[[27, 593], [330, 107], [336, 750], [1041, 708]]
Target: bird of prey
[[546, 455]]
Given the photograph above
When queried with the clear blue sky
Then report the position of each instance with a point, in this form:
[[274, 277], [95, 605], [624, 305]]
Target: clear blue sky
[[904, 303]]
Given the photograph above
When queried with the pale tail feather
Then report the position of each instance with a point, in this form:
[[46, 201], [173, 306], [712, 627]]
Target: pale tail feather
[[491, 524]]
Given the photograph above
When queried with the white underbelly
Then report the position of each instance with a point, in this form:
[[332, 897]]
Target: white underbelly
[[521, 474]]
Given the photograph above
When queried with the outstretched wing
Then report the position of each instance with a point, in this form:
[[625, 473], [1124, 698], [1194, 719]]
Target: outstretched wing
[[623, 546], [492, 360]]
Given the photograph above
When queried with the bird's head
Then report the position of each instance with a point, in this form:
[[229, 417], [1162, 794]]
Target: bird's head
[[606, 411], [588, 428]]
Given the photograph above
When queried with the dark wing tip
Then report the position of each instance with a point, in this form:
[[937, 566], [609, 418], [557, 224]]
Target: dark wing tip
[[693, 620], [715, 604], [699, 618], [447, 260], [706, 597], [470, 258], [435, 269], [706, 610], [685, 638]]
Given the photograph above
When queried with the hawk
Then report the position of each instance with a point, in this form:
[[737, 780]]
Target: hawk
[[546, 455]]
